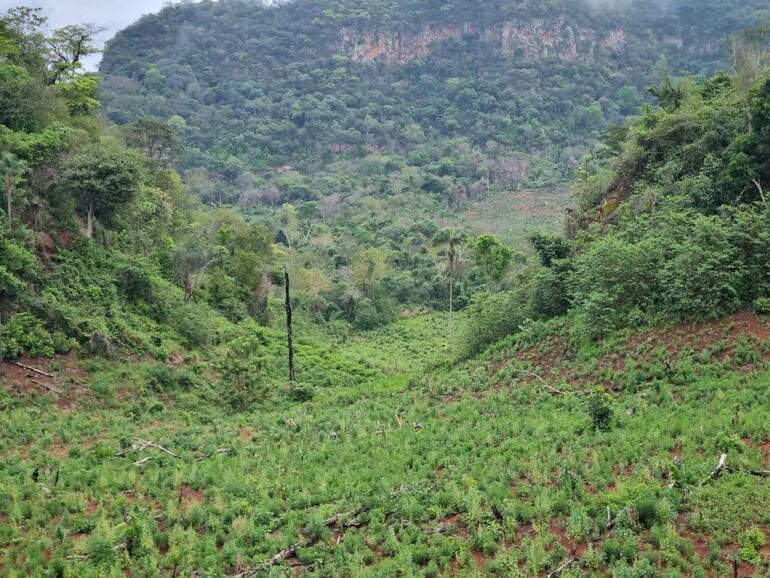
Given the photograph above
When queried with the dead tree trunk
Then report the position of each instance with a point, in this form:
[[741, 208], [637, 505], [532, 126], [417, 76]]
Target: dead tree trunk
[[287, 306], [451, 307], [90, 220], [9, 196], [188, 287]]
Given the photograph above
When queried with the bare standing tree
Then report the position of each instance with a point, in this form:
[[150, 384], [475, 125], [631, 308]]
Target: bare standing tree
[[287, 306], [512, 169]]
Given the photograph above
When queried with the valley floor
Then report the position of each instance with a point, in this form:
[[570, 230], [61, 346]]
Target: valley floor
[[477, 469]]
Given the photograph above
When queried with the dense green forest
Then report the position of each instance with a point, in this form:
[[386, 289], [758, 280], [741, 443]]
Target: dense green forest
[[565, 394], [455, 97]]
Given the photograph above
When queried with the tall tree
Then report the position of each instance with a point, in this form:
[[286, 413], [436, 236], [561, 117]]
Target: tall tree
[[190, 259], [11, 169], [68, 47], [158, 140], [369, 269], [452, 241], [101, 182], [492, 257]]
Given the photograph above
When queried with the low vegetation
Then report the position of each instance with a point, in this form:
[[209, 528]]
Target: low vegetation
[[467, 402]]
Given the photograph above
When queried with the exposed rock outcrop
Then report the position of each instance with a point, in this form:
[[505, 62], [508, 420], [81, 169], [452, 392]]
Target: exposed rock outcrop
[[531, 39]]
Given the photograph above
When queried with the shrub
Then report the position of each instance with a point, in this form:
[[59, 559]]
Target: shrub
[[702, 276], [24, 332], [194, 323], [761, 305], [600, 409], [243, 381], [491, 317], [612, 279], [750, 542], [647, 511], [300, 392], [549, 294]]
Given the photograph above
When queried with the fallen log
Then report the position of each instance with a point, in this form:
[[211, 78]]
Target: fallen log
[[288, 553], [143, 445], [36, 370], [157, 447], [291, 552], [717, 470], [214, 453], [561, 568], [760, 473], [51, 388], [337, 517], [547, 385]]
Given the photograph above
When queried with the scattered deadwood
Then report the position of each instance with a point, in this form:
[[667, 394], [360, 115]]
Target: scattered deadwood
[[121, 546], [717, 470], [49, 387], [140, 463], [612, 521], [291, 552], [214, 453], [288, 553], [563, 566], [334, 520], [547, 385], [141, 444], [34, 369], [18, 391], [760, 473]]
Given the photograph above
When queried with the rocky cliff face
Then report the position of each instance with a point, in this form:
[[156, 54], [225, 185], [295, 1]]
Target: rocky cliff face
[[532, 39]]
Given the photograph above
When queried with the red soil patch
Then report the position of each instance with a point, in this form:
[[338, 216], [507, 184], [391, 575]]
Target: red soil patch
[[764, 450], [189, 496], [745, 570], [552, 357], [699, 544], [454, 524], [556, 529], [46, 247], [479, 557], [245, 434], [65, 387], [92, 506], [174, 360], [764, 552], [522, 532]]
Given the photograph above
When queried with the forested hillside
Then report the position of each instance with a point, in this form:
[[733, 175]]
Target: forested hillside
[[532, 403], [459, 93]]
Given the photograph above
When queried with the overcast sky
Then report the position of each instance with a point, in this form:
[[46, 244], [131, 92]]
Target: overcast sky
[[111, 14]]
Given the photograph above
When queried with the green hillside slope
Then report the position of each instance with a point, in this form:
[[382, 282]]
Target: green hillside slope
[[592, 404], [308, 83]]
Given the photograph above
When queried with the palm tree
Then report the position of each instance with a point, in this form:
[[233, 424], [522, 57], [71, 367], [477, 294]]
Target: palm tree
[[453, 241], [11, 168]]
